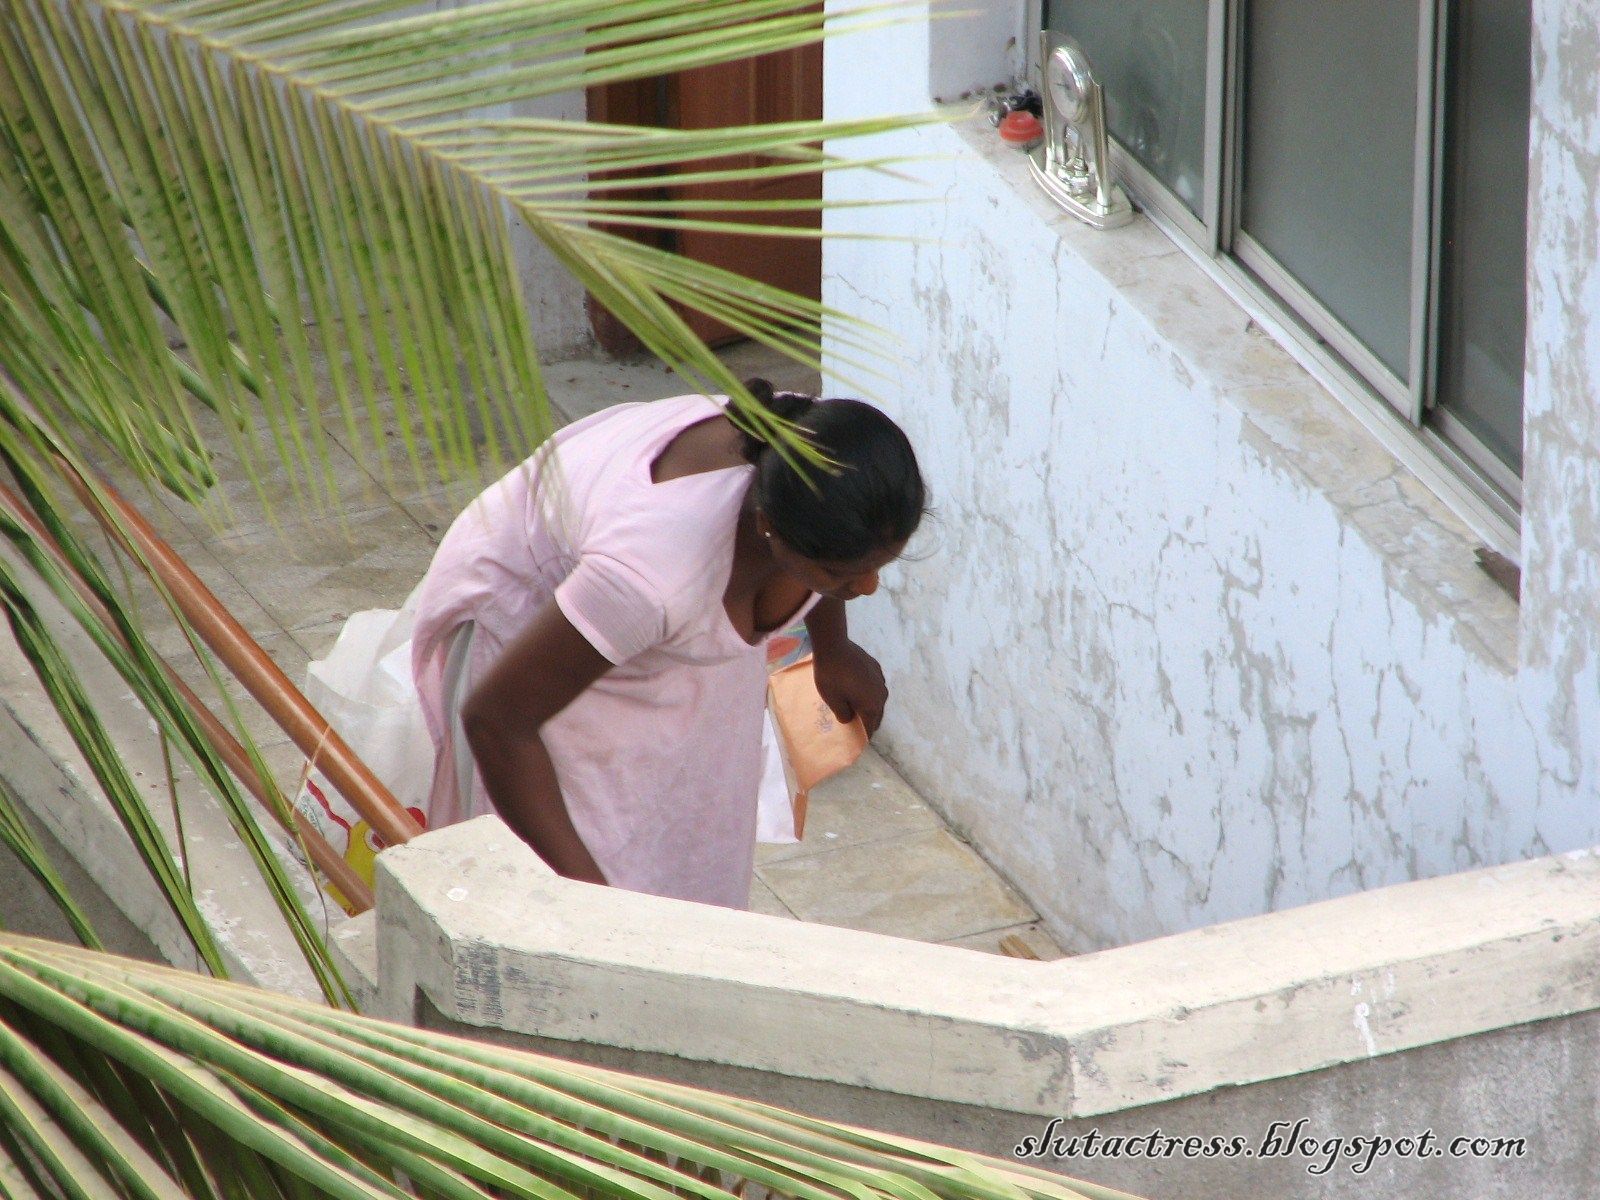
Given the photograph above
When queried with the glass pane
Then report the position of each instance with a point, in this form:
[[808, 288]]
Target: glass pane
[[1482, 282], [1330, 116], [1151, 59]]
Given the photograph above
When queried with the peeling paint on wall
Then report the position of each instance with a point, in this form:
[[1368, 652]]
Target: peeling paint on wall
[[1561, 507]]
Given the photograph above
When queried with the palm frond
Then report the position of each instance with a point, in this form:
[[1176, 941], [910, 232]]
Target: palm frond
[[61, 564], [17, 837], [286, 184], [316, 1102]]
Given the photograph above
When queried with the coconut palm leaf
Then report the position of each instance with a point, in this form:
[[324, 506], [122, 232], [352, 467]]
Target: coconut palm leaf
[[304, 1100], [241, 223], [283, 184], [17, 837], [64, 567]]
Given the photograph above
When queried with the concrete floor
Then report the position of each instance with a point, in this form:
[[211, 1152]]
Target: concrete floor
[[875, 857]]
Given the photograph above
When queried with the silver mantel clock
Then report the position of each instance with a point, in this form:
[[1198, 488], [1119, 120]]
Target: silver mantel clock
[[1073, 164]]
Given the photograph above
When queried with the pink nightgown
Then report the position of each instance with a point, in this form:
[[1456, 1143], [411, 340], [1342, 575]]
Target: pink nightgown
[[659, 761]]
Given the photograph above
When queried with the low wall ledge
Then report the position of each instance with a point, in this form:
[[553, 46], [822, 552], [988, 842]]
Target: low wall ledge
[[469, 917]]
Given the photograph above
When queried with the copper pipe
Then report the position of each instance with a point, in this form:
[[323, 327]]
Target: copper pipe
[[355, 890], [251, 665]]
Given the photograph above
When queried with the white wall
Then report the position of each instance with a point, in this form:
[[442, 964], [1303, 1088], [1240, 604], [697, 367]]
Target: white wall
[[976, 47], [555, 301], [1190, 644], [1561, 506]]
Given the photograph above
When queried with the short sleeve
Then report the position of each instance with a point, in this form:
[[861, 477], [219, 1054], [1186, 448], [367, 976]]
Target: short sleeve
[[613, 606]]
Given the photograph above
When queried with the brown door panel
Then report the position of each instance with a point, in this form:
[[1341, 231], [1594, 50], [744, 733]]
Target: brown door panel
[[775, 87], [786, 86]]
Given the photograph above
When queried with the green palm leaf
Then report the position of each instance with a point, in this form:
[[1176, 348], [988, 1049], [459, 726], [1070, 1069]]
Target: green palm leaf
[[287, 183], [68, 570], [307, 1101], [17, 837]]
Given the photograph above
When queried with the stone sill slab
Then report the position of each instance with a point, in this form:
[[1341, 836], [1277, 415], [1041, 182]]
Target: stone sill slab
[[470, 918]]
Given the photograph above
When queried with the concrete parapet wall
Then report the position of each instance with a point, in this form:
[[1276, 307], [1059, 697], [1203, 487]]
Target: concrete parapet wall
[[1465, 1005]]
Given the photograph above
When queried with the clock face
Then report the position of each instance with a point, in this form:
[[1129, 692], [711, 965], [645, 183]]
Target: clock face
[[1067, 76]]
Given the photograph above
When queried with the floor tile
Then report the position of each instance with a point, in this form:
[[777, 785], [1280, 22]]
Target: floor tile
[[317, 640], [280, 497], [317, 573], [580, 388], [432, 483], [867, 803], [926, 886], [289, 491], [764, 900], [435, 508], [748, 359]]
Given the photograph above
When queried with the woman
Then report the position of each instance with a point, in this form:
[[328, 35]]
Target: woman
[[589, 639]]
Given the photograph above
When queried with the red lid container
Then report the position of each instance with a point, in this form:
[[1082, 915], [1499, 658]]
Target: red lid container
[[1021, 128]]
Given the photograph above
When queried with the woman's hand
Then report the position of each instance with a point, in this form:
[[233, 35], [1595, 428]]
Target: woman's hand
[[850, 682]]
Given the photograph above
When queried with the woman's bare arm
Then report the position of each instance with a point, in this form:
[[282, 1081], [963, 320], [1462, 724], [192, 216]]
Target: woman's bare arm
[[848, 678], [542, 671], [827, 625]]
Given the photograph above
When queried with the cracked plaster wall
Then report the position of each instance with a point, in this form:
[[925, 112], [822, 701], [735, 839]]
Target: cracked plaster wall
[[1561, 488], [1188, 643]]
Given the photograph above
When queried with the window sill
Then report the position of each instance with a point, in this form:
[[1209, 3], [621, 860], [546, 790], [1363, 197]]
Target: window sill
[[1298, 413]]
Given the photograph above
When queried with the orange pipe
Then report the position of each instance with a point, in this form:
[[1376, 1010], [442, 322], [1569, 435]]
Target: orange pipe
[[327, 860], [251, 665]]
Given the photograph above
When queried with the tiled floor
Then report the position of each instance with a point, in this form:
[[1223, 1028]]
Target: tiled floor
[[875, 857]]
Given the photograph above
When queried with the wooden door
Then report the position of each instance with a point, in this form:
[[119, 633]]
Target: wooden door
[[786, 86]]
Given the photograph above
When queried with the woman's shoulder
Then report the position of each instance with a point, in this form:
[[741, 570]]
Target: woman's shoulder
[[678, 534], [685, 520], [595, 472], [632, 417]]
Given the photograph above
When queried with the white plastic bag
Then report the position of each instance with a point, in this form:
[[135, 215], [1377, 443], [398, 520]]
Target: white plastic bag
[[775, 813], [364, 688]]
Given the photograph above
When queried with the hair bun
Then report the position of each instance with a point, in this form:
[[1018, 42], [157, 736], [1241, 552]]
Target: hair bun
[[788, 406]]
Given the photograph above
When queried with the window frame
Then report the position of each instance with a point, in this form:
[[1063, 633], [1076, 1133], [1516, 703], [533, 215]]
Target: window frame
[[1404, 414]]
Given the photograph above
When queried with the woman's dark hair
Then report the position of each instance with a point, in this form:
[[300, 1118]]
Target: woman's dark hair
[[870, 498]]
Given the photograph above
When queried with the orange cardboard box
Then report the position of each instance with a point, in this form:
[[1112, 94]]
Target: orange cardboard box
[[811, 741]]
